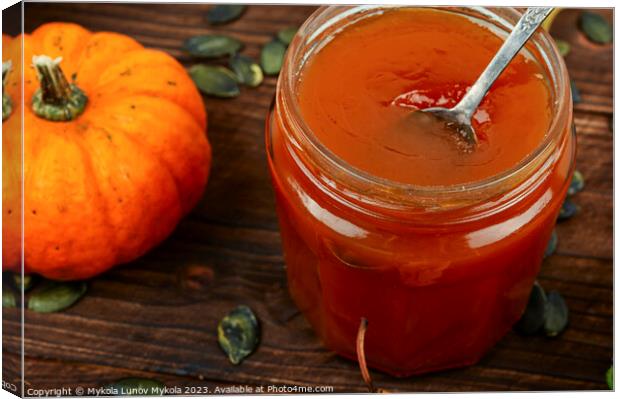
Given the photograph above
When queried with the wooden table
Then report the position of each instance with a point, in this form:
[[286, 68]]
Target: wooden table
[[157, 317]]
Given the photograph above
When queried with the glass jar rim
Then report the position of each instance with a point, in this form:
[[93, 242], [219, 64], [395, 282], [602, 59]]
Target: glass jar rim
[[549, 58]]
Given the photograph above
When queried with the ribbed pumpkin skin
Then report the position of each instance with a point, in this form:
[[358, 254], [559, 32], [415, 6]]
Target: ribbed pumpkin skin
[[104, 188]]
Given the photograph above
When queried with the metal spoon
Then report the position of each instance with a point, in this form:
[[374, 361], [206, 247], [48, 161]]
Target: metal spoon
[[459, 117]]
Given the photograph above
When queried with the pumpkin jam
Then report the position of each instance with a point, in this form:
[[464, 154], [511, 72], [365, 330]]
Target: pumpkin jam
[[440, 277], [359, 88]]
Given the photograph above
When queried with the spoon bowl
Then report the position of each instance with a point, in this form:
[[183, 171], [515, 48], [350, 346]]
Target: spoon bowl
[[457, 120]]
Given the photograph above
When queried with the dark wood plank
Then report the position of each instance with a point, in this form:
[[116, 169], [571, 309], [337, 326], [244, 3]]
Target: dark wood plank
[[157, 317]]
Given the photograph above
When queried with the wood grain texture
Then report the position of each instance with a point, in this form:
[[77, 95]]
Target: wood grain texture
[[157, 317]]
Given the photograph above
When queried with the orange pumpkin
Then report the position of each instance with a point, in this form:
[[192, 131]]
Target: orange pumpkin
[[115, 150]]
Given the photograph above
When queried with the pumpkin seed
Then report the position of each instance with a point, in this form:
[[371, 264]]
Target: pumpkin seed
[[609, 376], [552, 244], [56, 296], [246, 70], [9, 297], [272, 56], [568, 210], [238, 333], [577, 183], [215, 80], [286, 35], [136, 386], [596, 28], [533, 317], [7, 103], [224, 13], [212, 46], [556, 314], [563, 47], [27, 281], [575, 93]]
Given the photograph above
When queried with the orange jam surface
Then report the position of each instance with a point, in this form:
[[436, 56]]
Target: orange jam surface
[[357, 90]]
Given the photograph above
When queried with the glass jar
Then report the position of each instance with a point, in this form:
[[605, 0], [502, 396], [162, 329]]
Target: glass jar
[[440, 273]]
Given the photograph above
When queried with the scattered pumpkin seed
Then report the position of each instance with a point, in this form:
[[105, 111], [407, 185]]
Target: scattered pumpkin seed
[[596, 28], [556, 314], [224, 13], [27, 281], [272, 56], [56, 296], [238, 333], [533, 317], [215, 80], [9, 297], [7, 103], [568, 210], [575, 93], [563, 47], [246, 70], [577, 183], [552, 244], [212, 46], [136, 386], [286, 35], [609, 376]]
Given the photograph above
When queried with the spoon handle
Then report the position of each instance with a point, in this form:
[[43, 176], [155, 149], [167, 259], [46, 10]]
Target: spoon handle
[[526, 26]]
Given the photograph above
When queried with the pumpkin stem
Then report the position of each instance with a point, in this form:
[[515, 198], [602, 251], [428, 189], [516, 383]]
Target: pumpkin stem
[[7, 104], [57, 99]]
